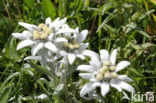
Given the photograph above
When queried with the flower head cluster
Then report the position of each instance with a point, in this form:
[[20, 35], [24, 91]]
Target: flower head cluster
[[50, 37], [71, 45], [39, 37], [102, 72]]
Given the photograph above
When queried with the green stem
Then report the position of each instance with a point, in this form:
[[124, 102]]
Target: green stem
[[6, 9], [99, 32]]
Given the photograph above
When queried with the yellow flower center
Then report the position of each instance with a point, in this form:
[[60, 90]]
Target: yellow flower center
[[40, 26], [114, 74], [72, 45], [36, 34], [42, 33], [99, 77], [76, 45], [112, 68], [43, 36], [107, 63], [107, 71], [107, 75]]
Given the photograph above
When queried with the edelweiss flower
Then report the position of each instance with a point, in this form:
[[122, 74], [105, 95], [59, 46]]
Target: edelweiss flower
[[104, 73], [39, 37], [71, 46]]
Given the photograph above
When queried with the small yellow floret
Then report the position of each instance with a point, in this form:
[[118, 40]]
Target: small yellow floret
[[48, 31], [107, 75], [65, 44], [99, 76], [43, 36], [112, 68], [76, 46], [114, 75], [45, 28], [107, 63], [71, 46], [105, 68], [36, 34], [40, 26], [101, 71]]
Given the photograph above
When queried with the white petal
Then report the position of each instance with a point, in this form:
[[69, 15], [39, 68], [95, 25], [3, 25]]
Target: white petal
[[61, 40], [62, 53], [71, 58], [54, 23], [86, 75], [96, 84], [17, 35], [68, 34], [65, 26], [104, 88], [65, 30], [95, 65], [37, 48], [24, 43], [126, 86], [33, 58], [42, 96], [116, 86], [48, 20], [82, 36], [91, 54], [113, 57], [50, 37], [93, 80], [95, 62], [77, 29], [104, 55], [29, 27], [56, 20], [51, 47], [63, 21], [80, 56], [22, 36], [124, 78], [86, 68], [82, 48], [122, 65], [86, 89]]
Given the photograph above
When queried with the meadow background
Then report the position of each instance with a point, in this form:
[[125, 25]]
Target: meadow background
[[129, 25]]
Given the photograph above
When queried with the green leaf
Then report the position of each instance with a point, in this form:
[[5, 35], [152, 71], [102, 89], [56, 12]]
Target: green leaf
[[111, 30], [136, 72], [59, 88], [143, 33], [146, 45], [6, 81], [86, 3], [43, 70], [13, 54], [139, 1], [106, 7], [110, 17], [5, 95], [48, 9], [79, 4], [146, 14], [29, 3], [133, 26]]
